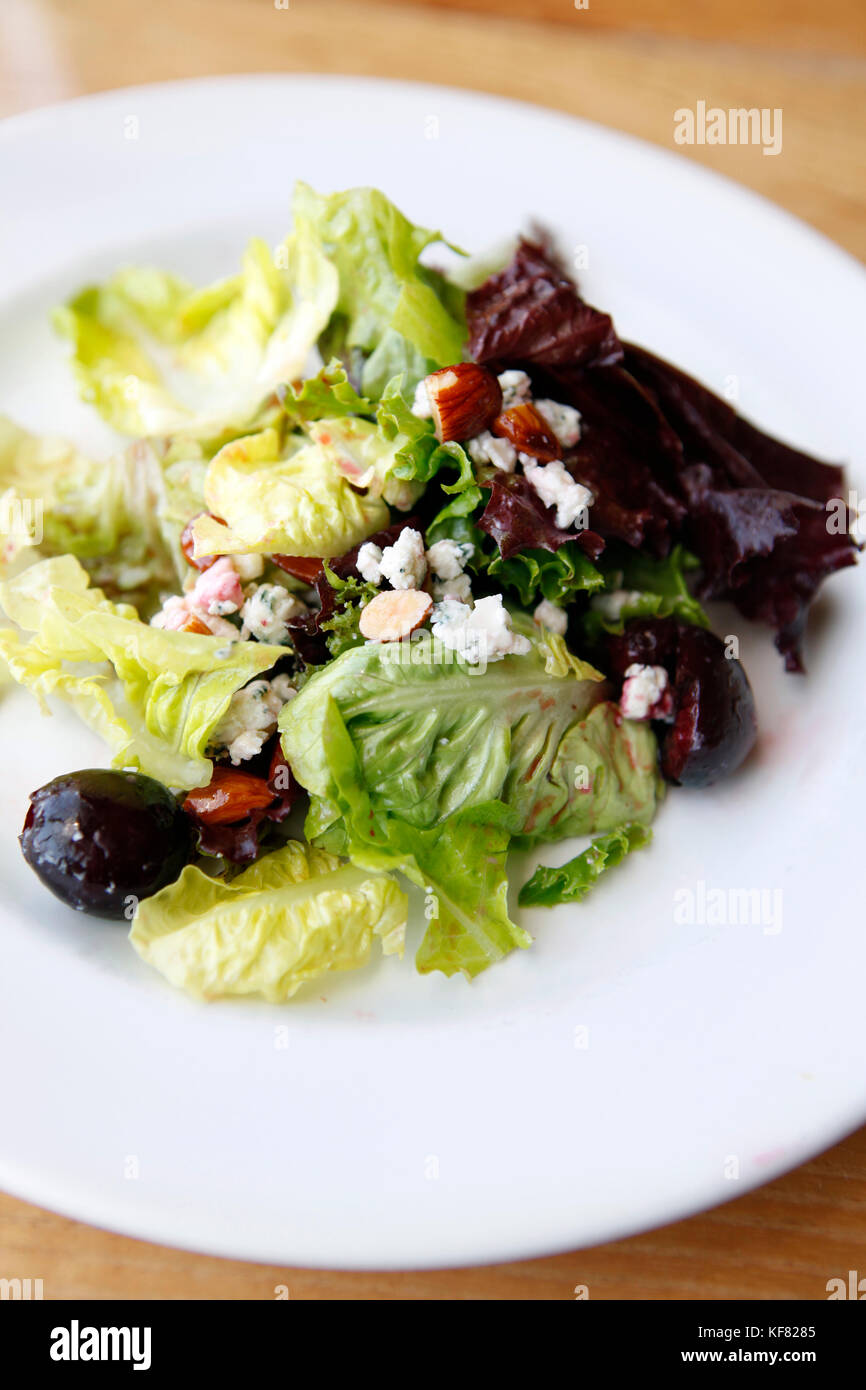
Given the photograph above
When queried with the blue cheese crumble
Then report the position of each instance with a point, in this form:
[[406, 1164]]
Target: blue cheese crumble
[[516, 388], [555, 486], [613, 604], [552, 617], [251, 718], [267, 611], [446, 559], [480, 634], [564, 420], [404, 564], [486, 448], [369, 562]]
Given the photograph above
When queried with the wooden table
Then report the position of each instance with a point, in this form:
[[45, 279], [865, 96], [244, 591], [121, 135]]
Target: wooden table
[[628, 64]]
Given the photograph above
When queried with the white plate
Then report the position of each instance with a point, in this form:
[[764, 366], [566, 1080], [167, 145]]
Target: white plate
[[396, 1120]]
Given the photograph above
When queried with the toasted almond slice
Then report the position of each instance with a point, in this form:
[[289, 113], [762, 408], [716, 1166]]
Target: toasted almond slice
[[194, 624], [394, 614]]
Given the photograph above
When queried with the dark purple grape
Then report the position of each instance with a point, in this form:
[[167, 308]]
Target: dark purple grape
[[714, 725], [101, 840]]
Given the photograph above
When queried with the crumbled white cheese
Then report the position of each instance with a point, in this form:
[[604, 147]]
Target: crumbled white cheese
[[282, 688], [249, 567], [249, 721], [516, 387], [549, 615], [447, 558], [611, 605], [267, 611], [459, 587], [564, 420], [369, 562], [248, 744], [643, 688], [421, 404], [556, 488], [403, 563], [486, 448], [480, 634]]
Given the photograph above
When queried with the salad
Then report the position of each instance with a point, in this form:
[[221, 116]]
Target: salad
[[400, 564]]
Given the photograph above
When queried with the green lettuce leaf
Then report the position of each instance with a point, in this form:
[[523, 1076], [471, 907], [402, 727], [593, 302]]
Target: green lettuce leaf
[[650, 588], [285, 496], [162, 694], [327, 394], [392, 311], [154, 355], [463, 530], [572, 881], [292, 916], [343, 627], [434, 735], [107, 513], [557, 576], [466, 884], [416, 761], [459, 863], [366, 458], [386, 456], [417, 456]]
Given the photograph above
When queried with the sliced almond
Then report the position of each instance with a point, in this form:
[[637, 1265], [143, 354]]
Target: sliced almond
[[194, 624], [394, 614]]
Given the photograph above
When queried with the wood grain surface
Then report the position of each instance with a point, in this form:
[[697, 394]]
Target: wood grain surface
[[629, 64], [783, 1241]]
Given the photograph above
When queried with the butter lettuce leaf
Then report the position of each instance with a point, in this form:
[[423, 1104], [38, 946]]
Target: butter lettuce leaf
[[155, 696], [154, 355], [293, 916], [435, 736], [287, 496], [392, 312], [415, 760], [460, 863], [107, 513], [572, 881], [327, 394], [378, 456]]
